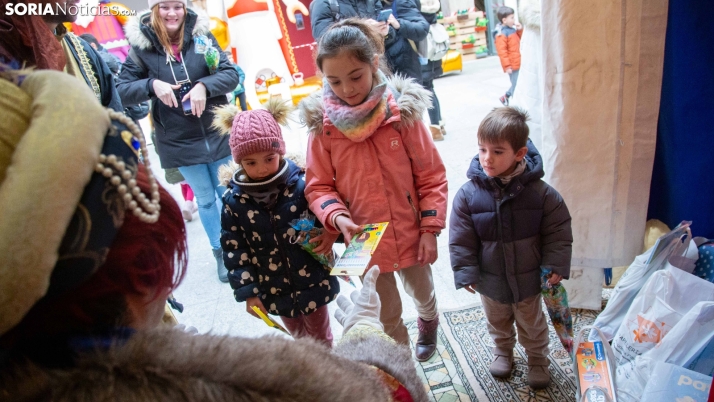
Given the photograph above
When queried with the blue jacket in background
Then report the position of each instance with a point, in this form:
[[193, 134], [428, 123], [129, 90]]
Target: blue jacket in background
[[401, 56], [322, 16], [241, 80]]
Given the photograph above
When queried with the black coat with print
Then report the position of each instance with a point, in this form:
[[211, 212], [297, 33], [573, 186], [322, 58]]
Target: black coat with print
[[259, 257]]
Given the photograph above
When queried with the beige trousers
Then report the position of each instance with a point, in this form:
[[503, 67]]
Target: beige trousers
[[419, 284], [531, 323]]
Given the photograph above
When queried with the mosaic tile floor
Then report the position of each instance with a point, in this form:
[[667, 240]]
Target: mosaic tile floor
[[459, 369]]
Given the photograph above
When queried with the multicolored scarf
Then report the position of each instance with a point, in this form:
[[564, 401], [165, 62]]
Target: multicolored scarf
[[357, 122]]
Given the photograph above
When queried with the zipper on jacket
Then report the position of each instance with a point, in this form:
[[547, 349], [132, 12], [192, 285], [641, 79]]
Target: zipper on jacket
[[499, 202], [411, 203], [282, 258], [205, 138]]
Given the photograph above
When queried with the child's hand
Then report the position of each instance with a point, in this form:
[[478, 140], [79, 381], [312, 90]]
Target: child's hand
[[509, 70], [554, 279], [427, 249], [348, 228], [518, 26], [470, 288], [325, 240], [254, 301]]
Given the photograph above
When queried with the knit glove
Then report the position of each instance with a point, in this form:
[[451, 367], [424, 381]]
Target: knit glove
[[366, 307]]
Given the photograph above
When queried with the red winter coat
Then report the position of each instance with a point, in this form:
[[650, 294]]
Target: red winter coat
[[508, 46], [396, 175]]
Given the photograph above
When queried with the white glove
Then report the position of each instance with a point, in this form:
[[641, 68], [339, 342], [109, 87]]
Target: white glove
[[366, 307]]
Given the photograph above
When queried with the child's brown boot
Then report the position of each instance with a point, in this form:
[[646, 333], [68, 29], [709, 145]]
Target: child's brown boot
[[426, 343], [538, 374], [502, 364], [436, 134]]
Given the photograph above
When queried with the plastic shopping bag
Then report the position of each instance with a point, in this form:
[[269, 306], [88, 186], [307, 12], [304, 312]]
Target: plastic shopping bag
[[687, 339], [556, 302], [639, 272], [306, 230], [666, 297]]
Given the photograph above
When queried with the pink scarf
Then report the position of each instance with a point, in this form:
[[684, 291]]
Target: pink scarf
[[357, 122]]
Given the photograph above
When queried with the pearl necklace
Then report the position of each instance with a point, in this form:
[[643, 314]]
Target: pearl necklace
[[123, 178]]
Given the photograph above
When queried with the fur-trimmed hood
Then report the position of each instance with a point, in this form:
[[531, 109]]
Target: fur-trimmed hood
[[412, 100], [136, 27], [171, 365], [529, 13]]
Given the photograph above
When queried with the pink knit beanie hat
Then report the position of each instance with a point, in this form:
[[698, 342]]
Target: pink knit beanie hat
[[152, 3], [255, 131]]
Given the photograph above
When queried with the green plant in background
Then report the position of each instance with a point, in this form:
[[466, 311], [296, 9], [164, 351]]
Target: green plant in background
[[451, 30], [471, 39], [481, 22], [482, 49]]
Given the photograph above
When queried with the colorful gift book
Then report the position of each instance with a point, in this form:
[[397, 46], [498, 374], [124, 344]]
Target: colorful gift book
[[271, 323], [355, 259]]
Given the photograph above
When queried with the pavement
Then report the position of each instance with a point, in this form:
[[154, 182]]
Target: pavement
[[465, 99]]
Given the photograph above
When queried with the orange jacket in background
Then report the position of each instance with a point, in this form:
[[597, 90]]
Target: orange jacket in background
[[508, 46]]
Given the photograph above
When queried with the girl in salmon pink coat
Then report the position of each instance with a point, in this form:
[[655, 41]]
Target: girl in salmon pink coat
[[371, 159]]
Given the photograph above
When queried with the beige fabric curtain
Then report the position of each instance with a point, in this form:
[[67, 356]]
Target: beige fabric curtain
[[602, 65]]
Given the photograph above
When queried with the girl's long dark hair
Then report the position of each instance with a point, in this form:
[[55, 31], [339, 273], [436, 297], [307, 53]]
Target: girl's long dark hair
[[354, 36]]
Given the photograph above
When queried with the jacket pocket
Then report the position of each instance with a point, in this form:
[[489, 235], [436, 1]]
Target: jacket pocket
[[414, 208]]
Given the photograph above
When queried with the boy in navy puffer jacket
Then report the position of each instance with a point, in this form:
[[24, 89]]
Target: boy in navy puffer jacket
[[265, 193], [506, 224]]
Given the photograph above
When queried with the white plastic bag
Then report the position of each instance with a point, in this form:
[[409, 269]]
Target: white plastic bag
[[686, 340], [677, 242], [666, 297]]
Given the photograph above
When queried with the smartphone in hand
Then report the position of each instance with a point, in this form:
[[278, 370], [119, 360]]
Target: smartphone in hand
[[384, 15], [185, 88]]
